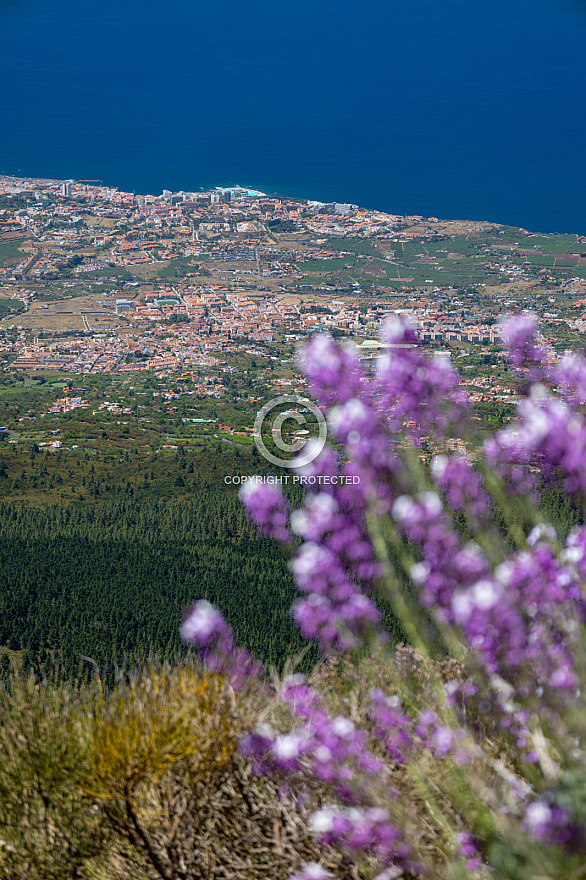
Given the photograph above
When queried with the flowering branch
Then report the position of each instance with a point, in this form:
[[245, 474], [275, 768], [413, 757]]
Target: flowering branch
[[458, 549]]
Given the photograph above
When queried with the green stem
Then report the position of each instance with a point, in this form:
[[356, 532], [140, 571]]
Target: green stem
[[407, 618]]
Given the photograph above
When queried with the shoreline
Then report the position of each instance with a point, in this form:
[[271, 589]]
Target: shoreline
[[245, 191]]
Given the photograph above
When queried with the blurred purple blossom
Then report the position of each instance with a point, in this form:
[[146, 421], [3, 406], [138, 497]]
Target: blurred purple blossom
[[312, 871], [519, 335], [517, 613], [205, 628], [267, 507]]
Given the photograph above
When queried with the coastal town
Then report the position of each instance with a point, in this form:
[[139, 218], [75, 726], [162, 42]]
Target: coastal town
[[204, 296]]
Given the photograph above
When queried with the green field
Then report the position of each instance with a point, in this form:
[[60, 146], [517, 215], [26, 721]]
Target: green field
[[7, 306], [9, 250]]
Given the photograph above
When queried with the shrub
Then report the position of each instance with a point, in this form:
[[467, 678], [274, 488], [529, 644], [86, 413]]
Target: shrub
[[144, 781], [48, 828]]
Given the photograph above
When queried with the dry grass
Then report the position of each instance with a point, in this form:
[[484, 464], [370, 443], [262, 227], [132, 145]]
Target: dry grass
[[66, 314], [144, 782]]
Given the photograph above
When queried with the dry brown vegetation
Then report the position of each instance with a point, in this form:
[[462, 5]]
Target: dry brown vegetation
[[144, 782], [66, 314]]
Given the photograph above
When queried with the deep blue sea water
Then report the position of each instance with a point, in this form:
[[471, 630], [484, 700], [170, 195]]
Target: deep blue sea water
[[453, 108]]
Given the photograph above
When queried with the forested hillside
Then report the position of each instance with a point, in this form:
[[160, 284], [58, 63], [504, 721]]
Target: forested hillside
[[111, 582], [101, 553]]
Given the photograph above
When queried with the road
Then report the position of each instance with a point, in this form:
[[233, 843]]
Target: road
[[31, 263]]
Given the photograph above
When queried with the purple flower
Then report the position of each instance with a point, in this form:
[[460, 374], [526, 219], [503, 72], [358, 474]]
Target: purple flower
[[267, 507], [334, 611], [205, 628], [570, 376], [288, 749], [551, 823], [519, 334], [462, 486], [316, 518], [370, 831], [256, 746], [391, 725], [333, 370], [469, 849], [334, 748], [417, 394], [312, 871], [203, 625], [518, 613], [392, 873]]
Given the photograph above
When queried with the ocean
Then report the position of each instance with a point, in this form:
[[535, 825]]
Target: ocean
[[452, 109]]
